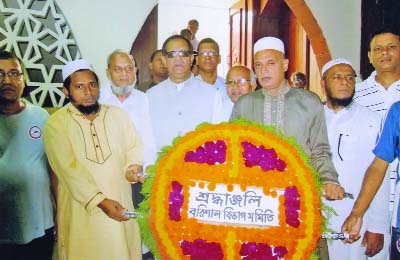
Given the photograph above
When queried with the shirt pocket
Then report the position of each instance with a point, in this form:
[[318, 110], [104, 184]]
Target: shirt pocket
[[348, 147]]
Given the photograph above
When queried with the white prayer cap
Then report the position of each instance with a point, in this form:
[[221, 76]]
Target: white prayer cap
[[269, 43], [334, 62], [75, 65]]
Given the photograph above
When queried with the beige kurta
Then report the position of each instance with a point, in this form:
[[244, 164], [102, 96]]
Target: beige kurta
[[89, 159]]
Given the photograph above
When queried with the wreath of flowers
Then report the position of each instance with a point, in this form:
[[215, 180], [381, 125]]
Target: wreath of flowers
[[243, 153]]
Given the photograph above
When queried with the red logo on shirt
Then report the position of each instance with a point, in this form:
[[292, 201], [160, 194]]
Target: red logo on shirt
[[35, 132]]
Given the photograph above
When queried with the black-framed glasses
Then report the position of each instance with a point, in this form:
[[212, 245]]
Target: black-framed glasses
[[174, 54], [13, 74], [210, 54], [240, 82]]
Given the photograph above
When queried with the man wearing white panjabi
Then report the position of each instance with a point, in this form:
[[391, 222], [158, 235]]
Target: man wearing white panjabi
[[120, 91], [352, 133]]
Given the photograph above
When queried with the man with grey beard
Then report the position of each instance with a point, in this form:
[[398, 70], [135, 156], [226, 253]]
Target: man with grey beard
[[120, 91], [352, 132]]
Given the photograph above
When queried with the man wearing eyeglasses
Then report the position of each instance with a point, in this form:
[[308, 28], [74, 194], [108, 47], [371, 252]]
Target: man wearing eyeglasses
[[240, 80], [295, 112], [26, 211], [181, 102], [119, 91], [352, 133], [208, 58]]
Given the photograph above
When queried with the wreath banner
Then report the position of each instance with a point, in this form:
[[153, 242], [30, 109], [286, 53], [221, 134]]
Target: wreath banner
[[231, 191]]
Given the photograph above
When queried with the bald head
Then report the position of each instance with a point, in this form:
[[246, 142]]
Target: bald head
[[240, 80]]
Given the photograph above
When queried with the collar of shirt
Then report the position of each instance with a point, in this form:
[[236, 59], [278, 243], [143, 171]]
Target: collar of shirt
[[281, 92], [346, 108], [181, 85], [372, 81]]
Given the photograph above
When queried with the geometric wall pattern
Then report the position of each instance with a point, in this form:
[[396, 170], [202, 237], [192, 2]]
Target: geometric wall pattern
[[37, 32]]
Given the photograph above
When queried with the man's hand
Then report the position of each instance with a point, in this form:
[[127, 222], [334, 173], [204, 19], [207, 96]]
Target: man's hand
[[113, 209], [373, 243], [352, 226], [131, 173], [333, 191]]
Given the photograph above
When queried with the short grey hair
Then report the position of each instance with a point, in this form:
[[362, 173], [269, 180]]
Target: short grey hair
[[119, 52]]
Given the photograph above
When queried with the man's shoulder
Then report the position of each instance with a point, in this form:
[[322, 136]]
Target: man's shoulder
[[159, 88], [137, 94], [35, 109], [220, 80], [111, 110], [365, 113], [363, 84], [366, 87], [250, 97], [304, 96], [61, 110], [144, 86], [105, 92], [199, 87], [58, 118], [200, 84], [395, 107]]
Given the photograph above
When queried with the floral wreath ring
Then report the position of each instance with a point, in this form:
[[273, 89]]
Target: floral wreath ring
[[232, 191]]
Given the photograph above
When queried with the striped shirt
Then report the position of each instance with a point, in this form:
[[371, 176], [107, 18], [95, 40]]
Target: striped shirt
[[374, 96]]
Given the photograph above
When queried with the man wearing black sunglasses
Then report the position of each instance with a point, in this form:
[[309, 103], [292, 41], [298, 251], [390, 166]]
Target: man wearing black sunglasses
[[180, 103]]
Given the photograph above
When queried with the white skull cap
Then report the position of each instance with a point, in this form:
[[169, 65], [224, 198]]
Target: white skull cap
[[269, 43], [334, 62], [75, 65]]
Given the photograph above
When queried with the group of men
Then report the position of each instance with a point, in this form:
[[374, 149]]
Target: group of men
[[99, 145]]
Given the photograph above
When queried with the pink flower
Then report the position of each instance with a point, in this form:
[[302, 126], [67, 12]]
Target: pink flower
[[292, 206], [201, 250], [261, 251], [266, 159], [211, 152], [280, 251], [175, 201]]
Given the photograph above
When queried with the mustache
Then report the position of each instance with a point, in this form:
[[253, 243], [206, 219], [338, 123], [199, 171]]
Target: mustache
[[2, 86]]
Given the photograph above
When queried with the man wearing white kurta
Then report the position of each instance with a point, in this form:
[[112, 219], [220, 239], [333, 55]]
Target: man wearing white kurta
[[352, 133], [382, 88], [181, 102], [95, 153], [119, 91]]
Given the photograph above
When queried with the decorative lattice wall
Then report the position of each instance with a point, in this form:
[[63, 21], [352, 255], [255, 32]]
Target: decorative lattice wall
[[38, 33]]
